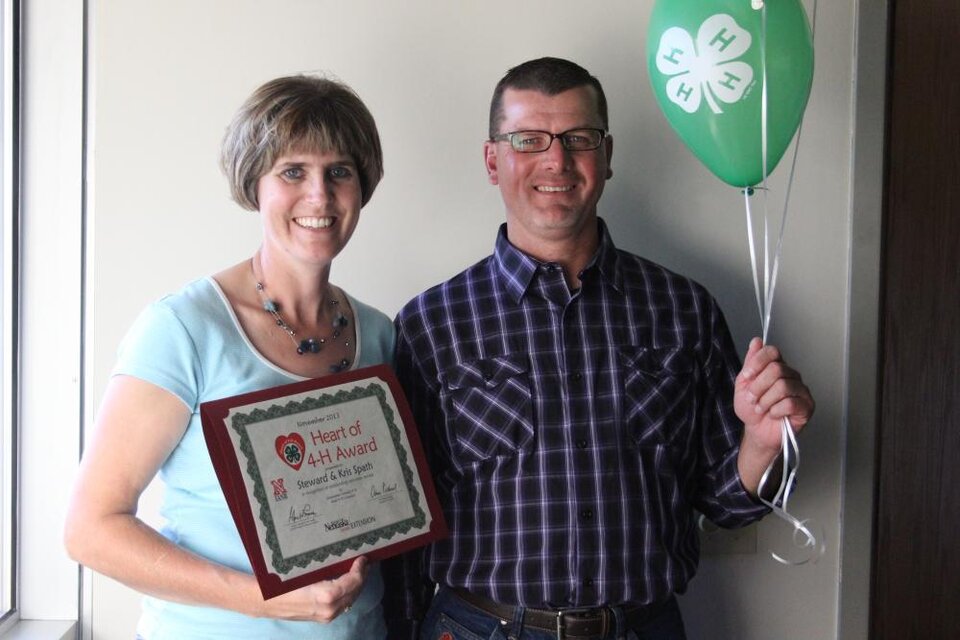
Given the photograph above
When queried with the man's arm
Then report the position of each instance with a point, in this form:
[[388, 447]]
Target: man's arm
[[766, 391], [408, 590]]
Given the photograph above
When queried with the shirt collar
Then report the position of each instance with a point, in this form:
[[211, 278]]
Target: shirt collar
[[518, 269]]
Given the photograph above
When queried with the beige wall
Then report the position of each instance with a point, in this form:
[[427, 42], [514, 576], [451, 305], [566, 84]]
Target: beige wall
[[165, 77]]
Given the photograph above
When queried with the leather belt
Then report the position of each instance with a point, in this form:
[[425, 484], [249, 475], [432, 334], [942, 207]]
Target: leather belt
[[574, 623]]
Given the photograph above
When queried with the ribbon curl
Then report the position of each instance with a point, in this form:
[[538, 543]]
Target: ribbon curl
[[803, 538]]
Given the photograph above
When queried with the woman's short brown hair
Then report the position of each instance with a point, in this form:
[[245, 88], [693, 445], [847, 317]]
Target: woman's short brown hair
[[299, 113]]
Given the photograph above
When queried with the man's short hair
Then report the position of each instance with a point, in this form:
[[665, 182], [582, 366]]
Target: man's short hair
[[297, 114], [546, 75]]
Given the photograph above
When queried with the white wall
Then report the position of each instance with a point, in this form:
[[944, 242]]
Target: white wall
[[167, 76]]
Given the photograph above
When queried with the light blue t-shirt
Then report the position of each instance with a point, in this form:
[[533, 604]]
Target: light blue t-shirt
[[191, 344]]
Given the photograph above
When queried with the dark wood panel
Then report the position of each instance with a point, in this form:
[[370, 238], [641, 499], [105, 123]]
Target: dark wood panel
[[916, 581]]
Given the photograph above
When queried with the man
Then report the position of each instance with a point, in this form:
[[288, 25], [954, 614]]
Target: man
[[577, 402]]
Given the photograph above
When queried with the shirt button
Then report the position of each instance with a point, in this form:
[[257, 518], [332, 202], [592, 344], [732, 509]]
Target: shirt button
[[587, 514], [576, 376], [582, 443], [588, 582]]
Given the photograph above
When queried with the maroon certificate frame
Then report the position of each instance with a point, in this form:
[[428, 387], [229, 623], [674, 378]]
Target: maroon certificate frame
[[319, 472]]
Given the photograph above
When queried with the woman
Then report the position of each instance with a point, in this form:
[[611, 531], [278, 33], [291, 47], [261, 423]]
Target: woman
[[305, 153]]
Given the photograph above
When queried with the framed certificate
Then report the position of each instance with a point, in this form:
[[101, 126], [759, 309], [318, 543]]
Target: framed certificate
[[319, 472]]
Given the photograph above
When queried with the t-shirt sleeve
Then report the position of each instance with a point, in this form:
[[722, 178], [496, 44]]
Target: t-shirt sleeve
[[159, 349]]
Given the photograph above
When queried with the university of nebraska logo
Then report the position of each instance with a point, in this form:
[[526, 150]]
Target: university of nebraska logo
[[291, 448], [279, 491]]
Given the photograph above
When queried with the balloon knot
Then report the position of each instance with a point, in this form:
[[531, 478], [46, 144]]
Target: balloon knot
[[756, 4]]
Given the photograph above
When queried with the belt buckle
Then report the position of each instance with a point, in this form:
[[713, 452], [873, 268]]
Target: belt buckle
[[562, 613]]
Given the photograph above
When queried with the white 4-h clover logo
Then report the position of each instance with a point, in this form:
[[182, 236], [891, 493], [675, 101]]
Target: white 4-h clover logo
[[708, 69]]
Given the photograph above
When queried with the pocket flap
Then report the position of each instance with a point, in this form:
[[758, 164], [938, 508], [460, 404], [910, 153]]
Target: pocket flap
[[662, 361], [484, 372]]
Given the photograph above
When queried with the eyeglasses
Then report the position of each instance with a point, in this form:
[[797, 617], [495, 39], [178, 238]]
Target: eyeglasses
[[539, 141]]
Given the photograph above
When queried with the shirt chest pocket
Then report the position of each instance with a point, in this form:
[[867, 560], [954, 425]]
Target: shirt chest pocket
[[660, 394], [488, 407]]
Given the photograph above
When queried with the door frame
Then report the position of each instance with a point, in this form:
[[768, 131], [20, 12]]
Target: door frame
[[859, 428]]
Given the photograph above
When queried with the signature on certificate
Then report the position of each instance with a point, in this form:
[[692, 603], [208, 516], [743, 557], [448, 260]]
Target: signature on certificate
[[383, 489], [300, 514]]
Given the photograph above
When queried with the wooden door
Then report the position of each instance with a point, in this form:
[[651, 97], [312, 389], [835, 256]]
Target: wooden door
[[916, 575]]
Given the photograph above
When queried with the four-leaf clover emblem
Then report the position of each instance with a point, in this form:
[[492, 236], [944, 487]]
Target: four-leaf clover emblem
[[291, 448], [707, 70], [292, 453]]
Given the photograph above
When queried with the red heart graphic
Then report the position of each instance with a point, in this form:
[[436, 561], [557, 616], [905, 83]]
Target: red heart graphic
[[291, 448]]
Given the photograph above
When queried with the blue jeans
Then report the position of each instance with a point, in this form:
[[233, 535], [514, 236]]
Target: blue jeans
[[450, 618]]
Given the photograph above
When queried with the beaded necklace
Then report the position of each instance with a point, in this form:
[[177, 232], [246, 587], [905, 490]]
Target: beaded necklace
[[307, 345]]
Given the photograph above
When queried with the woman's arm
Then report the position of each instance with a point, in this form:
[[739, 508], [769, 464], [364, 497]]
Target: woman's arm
[[137, 428]]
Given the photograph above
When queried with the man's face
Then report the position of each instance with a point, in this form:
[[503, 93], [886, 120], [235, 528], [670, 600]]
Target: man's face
[[550, 196]]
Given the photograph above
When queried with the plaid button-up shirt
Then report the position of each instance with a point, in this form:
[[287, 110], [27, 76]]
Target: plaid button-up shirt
[[572, 433]]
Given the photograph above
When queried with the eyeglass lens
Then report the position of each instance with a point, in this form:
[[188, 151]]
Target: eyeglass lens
[[573, 140]]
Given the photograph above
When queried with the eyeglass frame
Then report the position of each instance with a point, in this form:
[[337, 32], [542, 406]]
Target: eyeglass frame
[[508, 137]]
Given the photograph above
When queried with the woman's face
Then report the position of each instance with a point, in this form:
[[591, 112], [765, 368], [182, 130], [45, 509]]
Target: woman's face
[[310, 204]]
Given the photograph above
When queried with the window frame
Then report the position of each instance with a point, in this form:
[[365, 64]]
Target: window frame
[[49, 272], [9, 296]]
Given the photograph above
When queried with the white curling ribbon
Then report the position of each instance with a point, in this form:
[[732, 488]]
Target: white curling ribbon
[[803, 539]]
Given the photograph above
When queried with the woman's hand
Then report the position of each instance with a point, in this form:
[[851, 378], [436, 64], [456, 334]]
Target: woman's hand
[[322, 601], [104, 533]]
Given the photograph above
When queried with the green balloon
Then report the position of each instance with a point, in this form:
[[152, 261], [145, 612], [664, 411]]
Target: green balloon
[[704, 59]]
